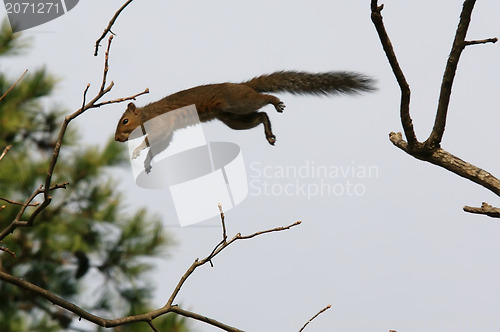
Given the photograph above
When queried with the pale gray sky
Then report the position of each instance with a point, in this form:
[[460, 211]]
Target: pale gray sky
[[402, 255]]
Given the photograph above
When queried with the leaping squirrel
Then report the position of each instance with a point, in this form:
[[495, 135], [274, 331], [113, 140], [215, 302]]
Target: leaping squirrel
[[237, 104]]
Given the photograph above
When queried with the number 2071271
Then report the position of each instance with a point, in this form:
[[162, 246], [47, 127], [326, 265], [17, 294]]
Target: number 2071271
[[32, 7]]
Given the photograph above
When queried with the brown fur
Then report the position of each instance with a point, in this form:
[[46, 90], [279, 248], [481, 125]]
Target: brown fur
[[237, 104]]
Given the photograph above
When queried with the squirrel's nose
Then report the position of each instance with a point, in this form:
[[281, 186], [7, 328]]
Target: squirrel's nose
[[120, 138]]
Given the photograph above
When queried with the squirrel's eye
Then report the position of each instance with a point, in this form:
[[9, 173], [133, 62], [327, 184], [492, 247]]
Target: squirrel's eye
[[125, 121]]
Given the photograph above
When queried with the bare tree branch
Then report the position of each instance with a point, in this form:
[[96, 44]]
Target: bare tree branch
[[13, 85], [149, 316], [204, 319], [224, 234], [17, 222], [436, 135], [443, 158], [45, 189], [18, 203], [218, 248], [482, 41], [110, 24], [485, 209], [119, 100], [398, 72], [430, 150], [313, 317], [7, 250], [153, 327]]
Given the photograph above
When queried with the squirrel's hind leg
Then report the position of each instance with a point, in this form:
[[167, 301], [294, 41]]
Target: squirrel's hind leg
[[249, 102], [275, 101], [247, 121]]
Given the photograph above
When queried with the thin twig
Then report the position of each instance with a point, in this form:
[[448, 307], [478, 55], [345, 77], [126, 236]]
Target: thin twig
[[224, 235], [106, 65], [203, 318], [313, 317], [13, 85], [18, 203], [120, 100], [7, 250], [85, 95], [5, 151], [110, 24], [277, 229]]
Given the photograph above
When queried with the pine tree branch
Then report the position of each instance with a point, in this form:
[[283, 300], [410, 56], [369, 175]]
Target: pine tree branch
[[13, 85]]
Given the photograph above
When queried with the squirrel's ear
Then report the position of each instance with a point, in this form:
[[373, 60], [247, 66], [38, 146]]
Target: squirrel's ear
[[131, 107]]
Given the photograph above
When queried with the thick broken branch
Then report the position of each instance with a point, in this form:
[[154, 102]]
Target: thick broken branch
[[485, 209], [452, 163]]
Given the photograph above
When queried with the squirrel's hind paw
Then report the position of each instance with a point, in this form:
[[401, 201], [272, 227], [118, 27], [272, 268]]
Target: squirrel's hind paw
[[280, 107], [271, 139]]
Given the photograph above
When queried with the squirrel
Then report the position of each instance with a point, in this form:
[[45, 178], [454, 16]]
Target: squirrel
[[237, 104]]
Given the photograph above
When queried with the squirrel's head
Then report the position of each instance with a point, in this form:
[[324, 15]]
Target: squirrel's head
[[128, 122]]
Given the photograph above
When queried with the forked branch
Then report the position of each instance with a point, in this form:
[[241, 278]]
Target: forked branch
[[430, 150]]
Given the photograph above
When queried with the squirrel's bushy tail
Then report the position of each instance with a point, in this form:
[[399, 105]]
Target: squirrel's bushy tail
[[297, 82]]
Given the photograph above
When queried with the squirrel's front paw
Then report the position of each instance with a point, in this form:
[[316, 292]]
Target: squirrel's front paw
[[136, 153]]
